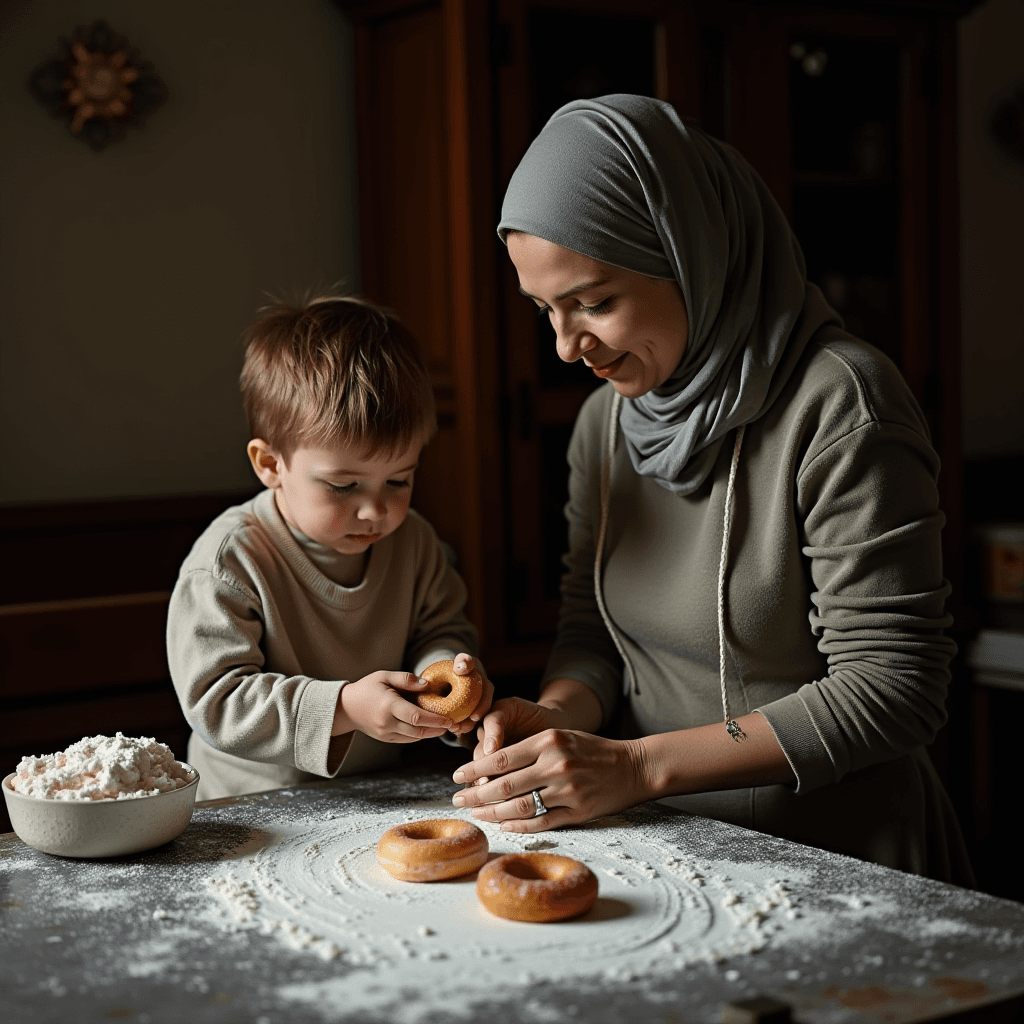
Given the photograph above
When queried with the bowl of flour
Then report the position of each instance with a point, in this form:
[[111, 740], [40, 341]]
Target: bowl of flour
[[105, 796]]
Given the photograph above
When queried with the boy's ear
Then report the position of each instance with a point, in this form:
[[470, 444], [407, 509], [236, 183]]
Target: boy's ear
[[265, 462]]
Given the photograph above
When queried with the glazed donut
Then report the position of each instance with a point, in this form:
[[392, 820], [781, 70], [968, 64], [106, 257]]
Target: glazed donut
[[428, 851], [455, 697], [536, 887]]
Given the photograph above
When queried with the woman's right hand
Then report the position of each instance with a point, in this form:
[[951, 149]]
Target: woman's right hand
[[578, 776], [513, 719], [564, 704]]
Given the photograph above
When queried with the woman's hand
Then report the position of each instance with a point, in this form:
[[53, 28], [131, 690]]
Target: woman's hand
[[514, 719], [564, 704], [466, 664], [579, 777]]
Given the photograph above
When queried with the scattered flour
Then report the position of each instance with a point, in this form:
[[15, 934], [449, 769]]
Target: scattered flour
[[539, 844], [239, 896], [318, 890], [297, 937], [942, 927], [349, 942], [115, 767]]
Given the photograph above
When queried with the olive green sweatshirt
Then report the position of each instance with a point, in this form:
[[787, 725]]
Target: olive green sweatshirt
[[833, 606], [261, 640]]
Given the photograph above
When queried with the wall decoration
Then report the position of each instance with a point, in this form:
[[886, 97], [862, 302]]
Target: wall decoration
[[98, 84]]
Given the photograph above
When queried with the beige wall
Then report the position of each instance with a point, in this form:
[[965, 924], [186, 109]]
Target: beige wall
[[992, 235], [127, 276]]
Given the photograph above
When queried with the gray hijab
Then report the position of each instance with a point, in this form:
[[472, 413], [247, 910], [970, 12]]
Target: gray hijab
[[622, 180]]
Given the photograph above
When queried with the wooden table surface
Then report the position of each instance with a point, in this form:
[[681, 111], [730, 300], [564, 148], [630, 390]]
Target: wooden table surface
[[262, 912]]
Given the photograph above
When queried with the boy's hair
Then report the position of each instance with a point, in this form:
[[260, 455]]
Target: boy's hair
[[334, 368]]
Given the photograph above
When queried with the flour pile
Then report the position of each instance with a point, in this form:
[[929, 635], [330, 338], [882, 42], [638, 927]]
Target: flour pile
[[102, 768]]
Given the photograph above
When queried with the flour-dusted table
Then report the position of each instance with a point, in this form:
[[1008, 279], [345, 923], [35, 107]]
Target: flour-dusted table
[[270, 908]]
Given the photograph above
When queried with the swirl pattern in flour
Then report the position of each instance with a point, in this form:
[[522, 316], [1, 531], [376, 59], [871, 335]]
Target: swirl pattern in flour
[[320, 888]]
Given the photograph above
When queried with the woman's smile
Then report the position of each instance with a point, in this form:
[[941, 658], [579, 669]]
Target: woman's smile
[[626, 327], [609, 368]]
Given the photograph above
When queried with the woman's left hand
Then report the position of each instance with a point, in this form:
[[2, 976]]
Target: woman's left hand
[[579, 777]]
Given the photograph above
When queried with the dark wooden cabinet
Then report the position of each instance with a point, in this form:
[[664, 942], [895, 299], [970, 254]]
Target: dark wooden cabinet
[[847, 110]]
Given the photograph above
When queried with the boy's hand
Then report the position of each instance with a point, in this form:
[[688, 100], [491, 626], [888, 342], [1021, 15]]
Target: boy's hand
[[374, 707], [464, 665]]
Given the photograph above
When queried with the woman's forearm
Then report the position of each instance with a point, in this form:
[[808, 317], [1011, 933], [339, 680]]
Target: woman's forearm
[[707, 758], [697, 760], [582, 776], [577, 702]]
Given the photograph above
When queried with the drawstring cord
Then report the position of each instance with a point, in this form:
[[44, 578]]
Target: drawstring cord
[[731, 725], [606, 484]]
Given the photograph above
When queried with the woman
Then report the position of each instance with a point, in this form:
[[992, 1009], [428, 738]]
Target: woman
[[750, 467]]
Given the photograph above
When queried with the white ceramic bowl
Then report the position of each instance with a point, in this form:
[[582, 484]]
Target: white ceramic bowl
[[101, 828]]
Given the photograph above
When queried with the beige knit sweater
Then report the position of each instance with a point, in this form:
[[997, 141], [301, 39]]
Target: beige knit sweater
[[260, 643], [833, 606]]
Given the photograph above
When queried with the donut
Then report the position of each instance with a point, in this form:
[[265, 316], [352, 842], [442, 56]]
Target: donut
[[536, 887], [429, 851], [455, 697]]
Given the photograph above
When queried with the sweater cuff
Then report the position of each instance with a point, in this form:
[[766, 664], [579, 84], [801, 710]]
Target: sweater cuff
[[313, 723], [589, 669], [798, 734]]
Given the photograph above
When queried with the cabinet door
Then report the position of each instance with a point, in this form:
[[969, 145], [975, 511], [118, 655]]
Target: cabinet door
[[428, 248], [863, 109], [550, 53], [844, 101], [405, 217]]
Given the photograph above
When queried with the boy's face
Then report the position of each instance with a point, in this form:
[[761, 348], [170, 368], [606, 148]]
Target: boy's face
[[338, 496]]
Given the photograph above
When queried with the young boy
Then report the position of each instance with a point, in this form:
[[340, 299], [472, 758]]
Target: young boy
[[296, 614]]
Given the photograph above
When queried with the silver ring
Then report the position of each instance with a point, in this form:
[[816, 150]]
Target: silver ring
[[538, 804]]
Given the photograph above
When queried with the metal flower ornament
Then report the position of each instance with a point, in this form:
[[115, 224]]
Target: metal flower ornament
[[98, 84]]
